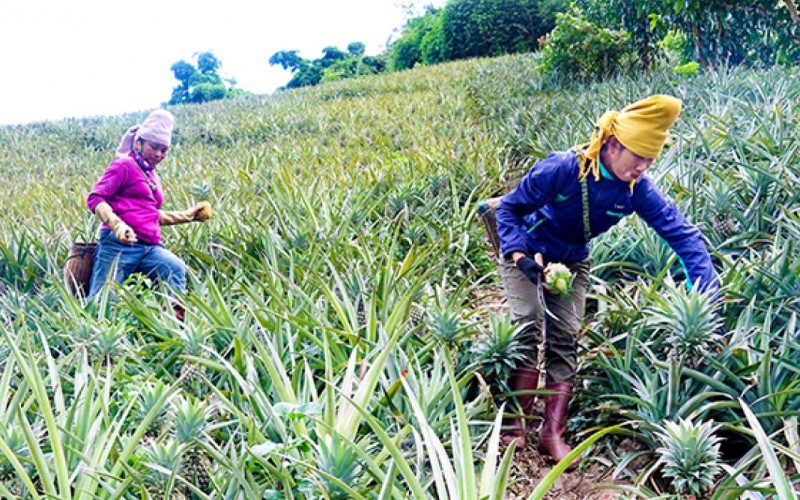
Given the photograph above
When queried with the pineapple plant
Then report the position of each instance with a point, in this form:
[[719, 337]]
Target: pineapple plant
[[690, 456], [358, 294], [109, 343], [14, 438], [82, 335], [445, 324], [201, 190], [416, 234], [336, 458], [688, 321], [499, 351], [438, 184], [158, 462], [194, 340], [190, 417], [148, 398], [397, 204], [718, 196], [444, 318]]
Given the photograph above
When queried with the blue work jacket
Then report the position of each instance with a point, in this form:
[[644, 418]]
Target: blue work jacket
[[544, 214]]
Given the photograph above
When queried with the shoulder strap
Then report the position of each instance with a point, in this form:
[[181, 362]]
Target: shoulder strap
[[587, 228], [583, 164]]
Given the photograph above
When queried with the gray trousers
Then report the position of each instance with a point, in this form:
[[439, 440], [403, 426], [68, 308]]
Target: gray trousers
[[558, 328]]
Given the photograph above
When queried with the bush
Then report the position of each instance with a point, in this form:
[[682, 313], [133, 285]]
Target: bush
[[352, 67], [579, 48], [205, 92], [689, 69]]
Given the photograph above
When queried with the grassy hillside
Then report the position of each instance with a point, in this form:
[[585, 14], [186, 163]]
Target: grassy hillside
[[336, 342]]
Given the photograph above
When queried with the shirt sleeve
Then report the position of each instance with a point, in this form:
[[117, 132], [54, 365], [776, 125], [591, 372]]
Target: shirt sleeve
[[109, 184], [538, 187], [682, 236]]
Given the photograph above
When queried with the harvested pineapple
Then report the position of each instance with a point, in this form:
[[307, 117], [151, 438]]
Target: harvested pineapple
[[558, 278]]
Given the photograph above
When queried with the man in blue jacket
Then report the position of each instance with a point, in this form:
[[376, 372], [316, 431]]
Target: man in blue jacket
[[559, 205]]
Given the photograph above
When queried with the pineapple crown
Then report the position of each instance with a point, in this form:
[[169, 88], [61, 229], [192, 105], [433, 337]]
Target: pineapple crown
[[191, 419], [690, 455]]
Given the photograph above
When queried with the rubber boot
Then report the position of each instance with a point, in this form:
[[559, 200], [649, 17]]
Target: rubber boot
[[551, 434], [178, 310], [522, 379]]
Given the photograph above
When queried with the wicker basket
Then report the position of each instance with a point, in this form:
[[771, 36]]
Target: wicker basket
[[486, 210], [78, 268]]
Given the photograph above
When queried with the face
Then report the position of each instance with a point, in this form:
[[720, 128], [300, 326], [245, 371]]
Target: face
[[625, 164], [153, 152]]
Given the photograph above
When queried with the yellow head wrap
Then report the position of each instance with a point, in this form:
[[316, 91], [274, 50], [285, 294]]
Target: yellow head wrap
[[641, 127]]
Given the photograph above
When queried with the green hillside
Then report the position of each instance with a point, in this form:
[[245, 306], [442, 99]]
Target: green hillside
[[341, 338]]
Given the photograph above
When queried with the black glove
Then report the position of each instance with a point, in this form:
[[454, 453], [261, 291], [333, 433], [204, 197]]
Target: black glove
[[531, 269]]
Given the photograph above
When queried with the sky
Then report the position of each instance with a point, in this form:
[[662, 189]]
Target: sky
[[79, 58]]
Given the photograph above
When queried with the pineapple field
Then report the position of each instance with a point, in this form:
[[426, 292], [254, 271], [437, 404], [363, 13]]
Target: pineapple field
[[345, 336]]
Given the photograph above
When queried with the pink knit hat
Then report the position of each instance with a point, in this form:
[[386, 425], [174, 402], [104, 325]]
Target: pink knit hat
[[157, 127]]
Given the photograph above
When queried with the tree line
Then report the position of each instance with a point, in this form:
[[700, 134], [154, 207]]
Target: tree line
[[333, 65], [577, 38]]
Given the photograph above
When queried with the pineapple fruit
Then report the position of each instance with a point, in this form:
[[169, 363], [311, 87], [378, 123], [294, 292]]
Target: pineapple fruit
[[190, 430], [558, 278]]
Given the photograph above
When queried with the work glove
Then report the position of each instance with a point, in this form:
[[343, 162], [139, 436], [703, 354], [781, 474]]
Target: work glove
[[200, 212], [123, 232], [531, 269]]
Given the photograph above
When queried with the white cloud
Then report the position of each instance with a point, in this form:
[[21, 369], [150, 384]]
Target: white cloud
[[72, 58]]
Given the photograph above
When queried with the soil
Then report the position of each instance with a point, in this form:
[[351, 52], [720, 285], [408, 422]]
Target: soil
[[530, 467]]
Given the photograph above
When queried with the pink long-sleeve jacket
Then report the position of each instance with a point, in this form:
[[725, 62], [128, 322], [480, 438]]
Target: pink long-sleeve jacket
[[134, 194]]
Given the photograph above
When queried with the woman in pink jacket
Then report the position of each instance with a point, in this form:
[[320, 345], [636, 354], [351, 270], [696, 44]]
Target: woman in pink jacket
[[128, 200]]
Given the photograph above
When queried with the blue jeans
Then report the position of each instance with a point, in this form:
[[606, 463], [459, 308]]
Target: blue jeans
[[120, 260]]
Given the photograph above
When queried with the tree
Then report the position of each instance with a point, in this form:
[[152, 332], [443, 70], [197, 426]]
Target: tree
[[330, 55], [305, 72], [461, 37], [308, 76], [375, 64], [356, 49], [480, 28], [287, 59], [199, 83], [183, 72], [207, 63], [420, 42], [405, 54]]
